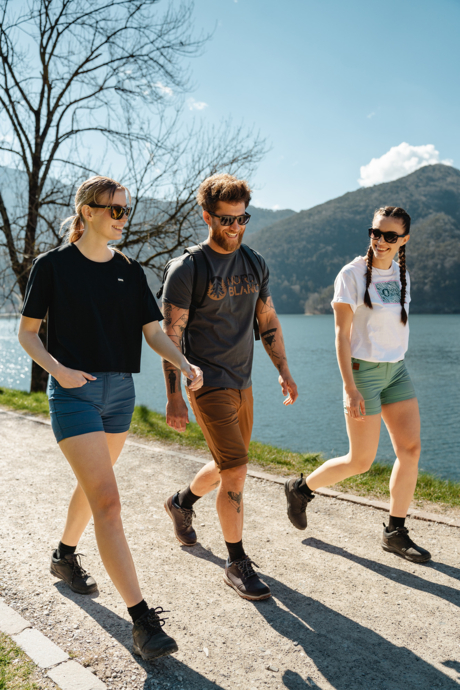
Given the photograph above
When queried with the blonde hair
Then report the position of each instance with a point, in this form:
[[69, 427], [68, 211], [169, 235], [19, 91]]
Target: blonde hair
[[89, 192]]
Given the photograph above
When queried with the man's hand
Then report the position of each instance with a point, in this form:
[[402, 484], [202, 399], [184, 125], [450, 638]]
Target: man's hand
[[289, 388], [177, 413]]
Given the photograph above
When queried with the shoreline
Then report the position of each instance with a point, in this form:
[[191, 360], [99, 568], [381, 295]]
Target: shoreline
[[432, 493]]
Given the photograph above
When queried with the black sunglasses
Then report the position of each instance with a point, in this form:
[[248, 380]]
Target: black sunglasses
[[116, 211], [229, 220], [390, 237]]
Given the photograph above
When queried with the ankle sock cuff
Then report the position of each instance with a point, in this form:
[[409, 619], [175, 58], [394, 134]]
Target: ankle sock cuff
[[302, 486], [235, 551], [186, 498], [138, 610], [65, 550], [395, 522]]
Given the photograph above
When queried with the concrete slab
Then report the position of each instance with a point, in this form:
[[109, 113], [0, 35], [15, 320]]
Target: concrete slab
[[72, 676], [40, 649], [11, 623]]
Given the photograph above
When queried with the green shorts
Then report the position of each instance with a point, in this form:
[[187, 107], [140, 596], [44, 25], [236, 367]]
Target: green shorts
[[381, 383]]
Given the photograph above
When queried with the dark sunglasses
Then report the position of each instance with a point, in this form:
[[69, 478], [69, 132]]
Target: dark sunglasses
[[390, 237], [116, 211], [229, 220]]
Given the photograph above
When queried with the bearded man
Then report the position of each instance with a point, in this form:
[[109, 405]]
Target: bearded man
[[216, 330]]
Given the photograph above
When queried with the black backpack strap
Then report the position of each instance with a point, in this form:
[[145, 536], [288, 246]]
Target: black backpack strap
[[253, 258], [201, 276]]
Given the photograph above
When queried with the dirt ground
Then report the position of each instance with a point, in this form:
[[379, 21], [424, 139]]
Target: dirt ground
[[344, 614]]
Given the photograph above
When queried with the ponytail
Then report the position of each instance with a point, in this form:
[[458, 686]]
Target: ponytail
[[75, 230]]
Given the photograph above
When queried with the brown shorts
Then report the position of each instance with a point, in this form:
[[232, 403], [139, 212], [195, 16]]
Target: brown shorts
[[225, 417]]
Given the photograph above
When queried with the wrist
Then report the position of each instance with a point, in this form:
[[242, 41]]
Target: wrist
[[350, 388], [56, 369], [284, 371]]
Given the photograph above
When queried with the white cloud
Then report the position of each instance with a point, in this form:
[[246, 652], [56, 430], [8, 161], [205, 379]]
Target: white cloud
[[371, 115], [196, 105], [397, 162]]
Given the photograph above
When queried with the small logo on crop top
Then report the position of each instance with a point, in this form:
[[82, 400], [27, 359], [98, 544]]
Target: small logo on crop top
[[121, 280], [389, 291]]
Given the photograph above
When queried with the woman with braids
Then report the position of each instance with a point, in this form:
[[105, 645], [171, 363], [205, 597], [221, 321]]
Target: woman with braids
[[99, 305], [371, 301]]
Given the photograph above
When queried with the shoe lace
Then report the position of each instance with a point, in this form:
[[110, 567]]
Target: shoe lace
[[188, 514], [75, 562], [245, 567], [152, 620], [404, 532]]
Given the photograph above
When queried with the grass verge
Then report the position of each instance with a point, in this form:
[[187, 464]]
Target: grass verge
[[149, 424], [16, 668]]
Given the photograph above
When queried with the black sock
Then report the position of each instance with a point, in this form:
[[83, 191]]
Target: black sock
[[186, 498], [395, 522], [138, 610], [302, 486], [64, 550], [235, 551]]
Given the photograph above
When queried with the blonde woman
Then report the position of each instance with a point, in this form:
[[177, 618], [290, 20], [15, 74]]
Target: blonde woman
[[99, 305], [371, 304]]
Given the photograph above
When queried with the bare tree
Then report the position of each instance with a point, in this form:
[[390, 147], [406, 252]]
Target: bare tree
[[78, 76]]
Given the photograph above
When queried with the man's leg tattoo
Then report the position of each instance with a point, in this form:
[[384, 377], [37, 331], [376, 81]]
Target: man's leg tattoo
[[235, 499]]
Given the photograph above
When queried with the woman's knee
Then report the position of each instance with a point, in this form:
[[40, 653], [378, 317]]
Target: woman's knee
[[360, 465], [106, 505], [409, 452]]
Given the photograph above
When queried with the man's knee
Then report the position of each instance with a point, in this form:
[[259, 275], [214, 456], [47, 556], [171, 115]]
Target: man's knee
[[234, 476]]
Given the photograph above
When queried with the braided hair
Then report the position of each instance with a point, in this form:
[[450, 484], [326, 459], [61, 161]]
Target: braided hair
[[404, 217]]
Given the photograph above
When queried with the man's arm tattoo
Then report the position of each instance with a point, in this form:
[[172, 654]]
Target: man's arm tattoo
[[274, 344], [236, 500], [213, 486], [172, 381]]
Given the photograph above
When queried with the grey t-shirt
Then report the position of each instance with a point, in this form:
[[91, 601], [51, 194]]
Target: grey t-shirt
[[220, 334]]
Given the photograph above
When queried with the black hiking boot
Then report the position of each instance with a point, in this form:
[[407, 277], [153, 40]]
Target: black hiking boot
[[399, 542], [149, 640], [296, 504], [243, 578], [70, 570], [182, 521]]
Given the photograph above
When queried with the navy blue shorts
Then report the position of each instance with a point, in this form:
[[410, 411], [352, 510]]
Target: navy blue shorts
[[106, 404]]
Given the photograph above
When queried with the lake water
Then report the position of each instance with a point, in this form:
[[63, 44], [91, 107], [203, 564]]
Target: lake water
[[316, 421]]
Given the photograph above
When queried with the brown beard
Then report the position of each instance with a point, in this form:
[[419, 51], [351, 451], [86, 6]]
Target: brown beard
[[219, 237]]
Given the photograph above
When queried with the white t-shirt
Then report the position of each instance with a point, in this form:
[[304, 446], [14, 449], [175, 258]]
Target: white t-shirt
[[377, 334]]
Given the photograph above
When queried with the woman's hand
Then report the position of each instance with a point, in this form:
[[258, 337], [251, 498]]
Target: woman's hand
[[193, 374], [72, 378], [354, 402]]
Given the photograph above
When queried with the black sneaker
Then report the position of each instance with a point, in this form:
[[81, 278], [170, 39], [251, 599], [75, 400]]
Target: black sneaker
[[149, 640], [399, 542], [70, 570], [243, 578], [182, 521], [296, 504]]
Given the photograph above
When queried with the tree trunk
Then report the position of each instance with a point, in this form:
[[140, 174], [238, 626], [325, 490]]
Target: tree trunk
[[39, 378]]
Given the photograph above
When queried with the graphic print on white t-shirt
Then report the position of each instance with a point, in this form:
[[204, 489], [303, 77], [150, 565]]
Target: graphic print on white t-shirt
[[377, 334], [389, 291]]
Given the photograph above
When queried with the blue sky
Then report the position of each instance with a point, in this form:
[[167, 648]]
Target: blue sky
[[332, 84]]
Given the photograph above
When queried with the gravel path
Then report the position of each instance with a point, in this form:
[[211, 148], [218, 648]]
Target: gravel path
[[344, 614]]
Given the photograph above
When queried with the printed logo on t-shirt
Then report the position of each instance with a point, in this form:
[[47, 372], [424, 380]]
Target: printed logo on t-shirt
[[217, 288], [234, 286], [121, 280], [389, 291]]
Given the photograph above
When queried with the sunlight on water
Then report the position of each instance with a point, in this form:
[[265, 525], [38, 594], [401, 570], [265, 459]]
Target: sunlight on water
[[316, 422]]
